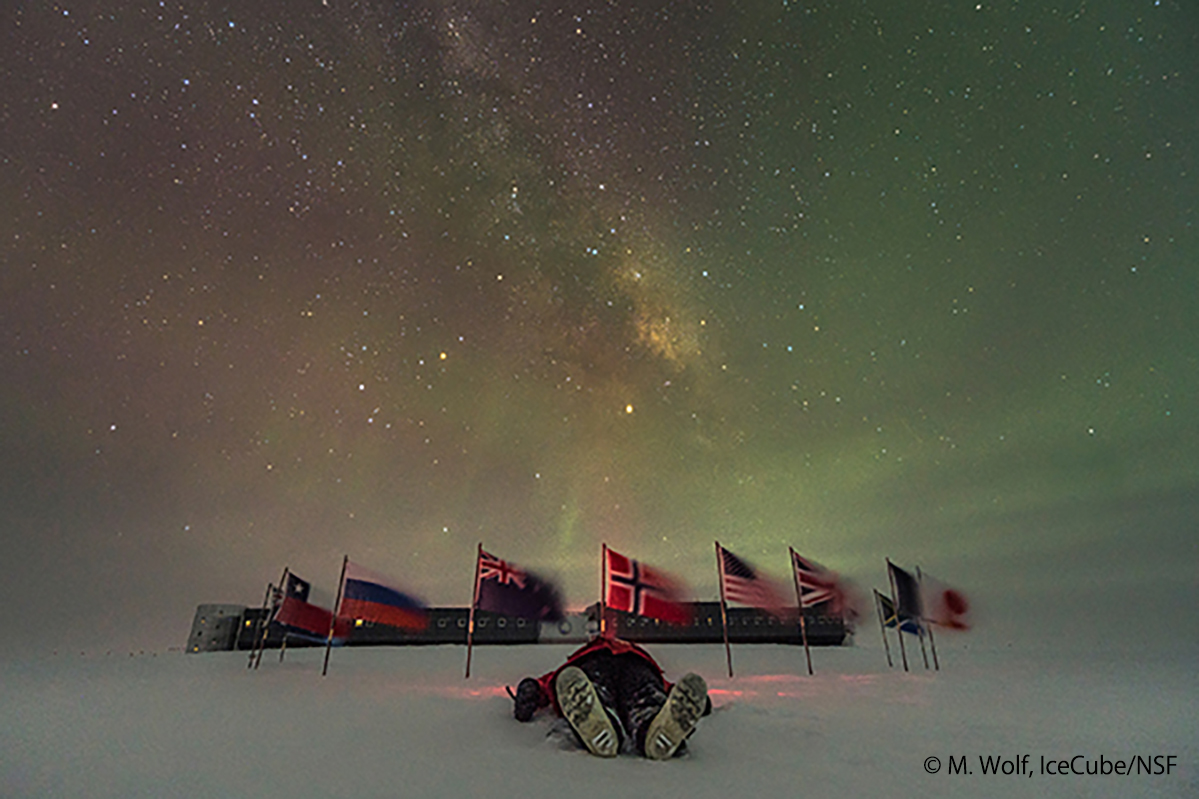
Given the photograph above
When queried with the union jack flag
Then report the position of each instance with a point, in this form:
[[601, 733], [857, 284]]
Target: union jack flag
[[512, 591], [818, 585], [491, 567]]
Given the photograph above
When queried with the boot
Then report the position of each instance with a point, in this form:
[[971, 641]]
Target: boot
[[528, 699], [581, 706], [677, 718]]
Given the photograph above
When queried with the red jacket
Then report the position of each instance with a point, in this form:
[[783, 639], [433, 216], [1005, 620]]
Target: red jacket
[[616, 646]]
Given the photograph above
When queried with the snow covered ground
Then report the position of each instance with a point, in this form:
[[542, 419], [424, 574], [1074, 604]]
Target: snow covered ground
[[403, 722]]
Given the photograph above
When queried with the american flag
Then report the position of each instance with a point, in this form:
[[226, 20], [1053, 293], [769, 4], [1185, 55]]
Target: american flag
[[744, 585], [818, 585], [492, 568]]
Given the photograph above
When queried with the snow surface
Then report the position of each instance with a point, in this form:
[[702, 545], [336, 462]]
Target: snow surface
[[404, 722]]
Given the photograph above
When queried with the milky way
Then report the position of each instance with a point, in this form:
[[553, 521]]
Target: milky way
[[297, 279]]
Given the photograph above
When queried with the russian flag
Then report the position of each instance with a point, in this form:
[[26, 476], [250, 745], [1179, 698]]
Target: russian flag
[[369, 597]]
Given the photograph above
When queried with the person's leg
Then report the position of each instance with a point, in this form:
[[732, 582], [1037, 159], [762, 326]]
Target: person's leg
[[641, 694], [601, 668]]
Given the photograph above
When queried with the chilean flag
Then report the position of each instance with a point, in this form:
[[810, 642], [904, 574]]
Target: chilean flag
[[643, 590], [299, 614], [368, 596]]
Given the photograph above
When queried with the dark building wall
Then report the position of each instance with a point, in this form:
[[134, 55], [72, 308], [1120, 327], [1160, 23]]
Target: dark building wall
[[746, 626], [215, 628], [226, 627]]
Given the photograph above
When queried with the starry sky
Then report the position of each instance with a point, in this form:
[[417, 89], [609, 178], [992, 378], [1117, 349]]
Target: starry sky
[[283, 281]]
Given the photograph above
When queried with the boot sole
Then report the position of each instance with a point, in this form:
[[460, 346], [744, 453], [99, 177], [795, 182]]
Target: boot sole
[[581, 707], [677, 718]]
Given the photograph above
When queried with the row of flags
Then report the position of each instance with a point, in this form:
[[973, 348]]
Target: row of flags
[[921, 600], [643, 590], [917, 603], [629, 585]]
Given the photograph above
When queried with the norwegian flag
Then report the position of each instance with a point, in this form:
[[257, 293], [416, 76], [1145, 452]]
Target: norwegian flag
[[818, 586], [643, 590], [744, 585], [512, 591]]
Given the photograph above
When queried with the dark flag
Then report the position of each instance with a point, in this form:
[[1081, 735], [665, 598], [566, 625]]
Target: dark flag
[[907, 594], [506, 589]]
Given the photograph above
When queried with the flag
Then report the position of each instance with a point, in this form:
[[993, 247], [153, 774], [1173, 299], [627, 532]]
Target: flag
[[890, 618], [297, 587], [942, 604], [643, 590], [744, 585], [368, 596], [297, 613], [820, 586], [504, 588], [907, 593]]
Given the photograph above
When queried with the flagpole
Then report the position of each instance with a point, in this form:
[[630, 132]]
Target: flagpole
[[254, 636], [336, 610], [260, 642], [882, 628], [920, 632], [803, 622], [474, 602], [931, 641], [603, 608], [898, 619], [724, 619], [266, 629]]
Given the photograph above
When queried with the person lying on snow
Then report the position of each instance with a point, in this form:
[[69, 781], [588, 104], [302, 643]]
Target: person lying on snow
[[615, 697]]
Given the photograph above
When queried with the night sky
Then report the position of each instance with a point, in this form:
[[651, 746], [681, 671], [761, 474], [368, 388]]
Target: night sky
[[287, 280]]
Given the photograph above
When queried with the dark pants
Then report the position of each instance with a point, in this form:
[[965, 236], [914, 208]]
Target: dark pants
[[630, 689]]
